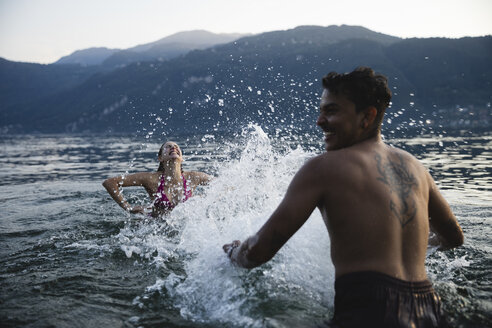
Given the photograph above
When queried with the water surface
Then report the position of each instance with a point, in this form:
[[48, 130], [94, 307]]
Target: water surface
[[70, 257]]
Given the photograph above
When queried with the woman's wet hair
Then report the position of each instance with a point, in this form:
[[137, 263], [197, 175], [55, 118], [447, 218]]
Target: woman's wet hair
[[363, 87]]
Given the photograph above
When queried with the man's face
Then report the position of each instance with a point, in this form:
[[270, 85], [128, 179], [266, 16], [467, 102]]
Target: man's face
[[339, 121]]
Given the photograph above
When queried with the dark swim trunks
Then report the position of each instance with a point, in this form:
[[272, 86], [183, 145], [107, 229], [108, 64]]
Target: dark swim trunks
[[373, 299]]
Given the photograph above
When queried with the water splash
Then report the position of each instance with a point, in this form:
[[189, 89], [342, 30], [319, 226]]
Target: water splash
[[252, 174], [202, 283]]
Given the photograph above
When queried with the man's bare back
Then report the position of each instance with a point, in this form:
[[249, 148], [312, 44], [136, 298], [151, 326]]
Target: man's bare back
[[376, 215]]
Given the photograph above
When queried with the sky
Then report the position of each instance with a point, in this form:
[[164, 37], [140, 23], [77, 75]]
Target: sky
[[42, 31]]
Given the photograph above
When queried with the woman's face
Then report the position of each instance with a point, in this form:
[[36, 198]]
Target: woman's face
[[170, 150]]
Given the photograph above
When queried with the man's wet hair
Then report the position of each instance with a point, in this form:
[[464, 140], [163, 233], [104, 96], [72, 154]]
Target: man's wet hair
[[363, 87]]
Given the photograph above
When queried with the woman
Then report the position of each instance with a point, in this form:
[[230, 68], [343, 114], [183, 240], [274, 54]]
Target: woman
[[167, 187]]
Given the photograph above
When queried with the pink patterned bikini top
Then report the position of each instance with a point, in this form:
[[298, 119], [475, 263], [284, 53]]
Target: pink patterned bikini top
[[161, 200]]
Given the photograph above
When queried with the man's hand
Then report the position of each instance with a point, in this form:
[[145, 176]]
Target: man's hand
[[137, 209], [434, 239], [229, 248]]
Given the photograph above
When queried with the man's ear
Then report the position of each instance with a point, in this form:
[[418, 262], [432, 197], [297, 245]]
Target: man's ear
[[370, 114]]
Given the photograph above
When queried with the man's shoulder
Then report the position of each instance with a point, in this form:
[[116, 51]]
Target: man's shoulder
[[323, 164], [337, 157], [321, 159], [404, 160], [403, 155], [346, 159]]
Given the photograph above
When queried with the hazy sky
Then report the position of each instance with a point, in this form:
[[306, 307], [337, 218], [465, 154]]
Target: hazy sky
[[42, 31]]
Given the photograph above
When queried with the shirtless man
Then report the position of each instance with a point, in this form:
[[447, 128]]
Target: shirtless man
[[378, 203]]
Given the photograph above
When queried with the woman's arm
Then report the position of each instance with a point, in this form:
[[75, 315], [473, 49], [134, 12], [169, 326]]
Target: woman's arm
[[113, 185]]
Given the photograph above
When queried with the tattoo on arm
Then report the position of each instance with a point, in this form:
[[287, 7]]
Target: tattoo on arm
[[396, 175]]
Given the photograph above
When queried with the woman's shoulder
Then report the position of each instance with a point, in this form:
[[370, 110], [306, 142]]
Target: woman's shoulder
[[143, 176], [197, 177], [189, 175]]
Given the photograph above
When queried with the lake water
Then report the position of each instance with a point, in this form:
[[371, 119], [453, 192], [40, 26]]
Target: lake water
[[70, 257]]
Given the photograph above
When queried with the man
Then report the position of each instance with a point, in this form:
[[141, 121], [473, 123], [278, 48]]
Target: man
[[376, 201]]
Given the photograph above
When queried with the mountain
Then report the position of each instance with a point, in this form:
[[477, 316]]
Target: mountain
[[200, 38], [446, 72], [162, 49], [273, 79], [24, 83], [316, 35], [169, 47], [87, 57]]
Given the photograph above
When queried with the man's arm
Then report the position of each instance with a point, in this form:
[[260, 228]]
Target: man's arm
[[302, 197], [442, 220]]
